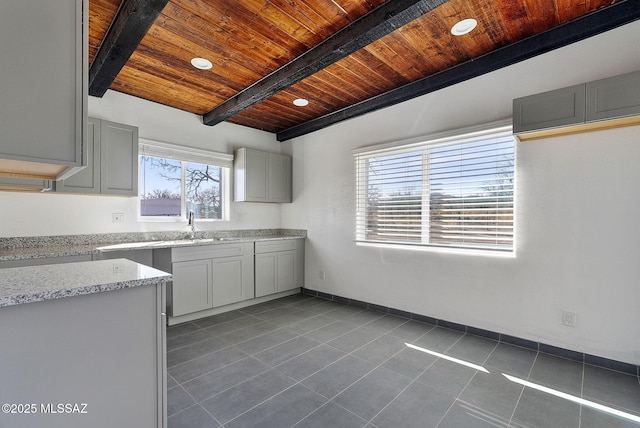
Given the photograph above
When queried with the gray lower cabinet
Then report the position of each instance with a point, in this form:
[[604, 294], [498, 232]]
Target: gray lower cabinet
[[113, 161], [192, 287], [101, 354], [610, 102], [261, 176], [43, 87], [207, 276], [279, 266]]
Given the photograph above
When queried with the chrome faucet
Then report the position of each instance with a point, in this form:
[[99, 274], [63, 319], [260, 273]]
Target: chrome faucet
[[192, 223]]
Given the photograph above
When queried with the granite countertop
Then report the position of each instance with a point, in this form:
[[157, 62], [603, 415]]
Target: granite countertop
[[47, 282], [24, 248]]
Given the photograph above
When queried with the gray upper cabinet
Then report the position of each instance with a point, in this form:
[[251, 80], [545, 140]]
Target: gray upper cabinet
[[86, 180], [118, 159], [600, 104], [615, 97], [43, 87], [113, 161], [553, 109], [279, 178], [261, 176]]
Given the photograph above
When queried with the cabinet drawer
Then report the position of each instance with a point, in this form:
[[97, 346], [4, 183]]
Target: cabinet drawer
[[277, 245], [210, 251]]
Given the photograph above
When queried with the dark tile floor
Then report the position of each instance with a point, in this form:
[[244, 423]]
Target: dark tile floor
[[307, 362]]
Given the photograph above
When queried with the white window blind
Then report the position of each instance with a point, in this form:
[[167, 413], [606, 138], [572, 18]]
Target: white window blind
[[452, 192], [188, 154]]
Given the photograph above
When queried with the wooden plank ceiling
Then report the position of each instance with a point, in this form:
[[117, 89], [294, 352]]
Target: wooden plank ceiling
[[247, 40]]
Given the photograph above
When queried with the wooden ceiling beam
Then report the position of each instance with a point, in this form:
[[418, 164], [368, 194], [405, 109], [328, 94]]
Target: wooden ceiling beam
[[379, 22], [581, 28], [132, 21]]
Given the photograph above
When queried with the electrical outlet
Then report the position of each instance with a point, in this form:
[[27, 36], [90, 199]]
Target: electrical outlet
[[568, 319], [118, 217], [322, 275]]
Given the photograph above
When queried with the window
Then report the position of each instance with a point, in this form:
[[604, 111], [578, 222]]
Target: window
[[174, 180], [448, 192]]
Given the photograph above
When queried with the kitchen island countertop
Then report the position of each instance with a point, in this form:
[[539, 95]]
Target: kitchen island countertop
[[47, 282]]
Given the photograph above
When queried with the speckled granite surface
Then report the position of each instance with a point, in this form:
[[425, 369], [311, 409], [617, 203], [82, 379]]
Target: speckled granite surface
[[47, 282], [22, 248]]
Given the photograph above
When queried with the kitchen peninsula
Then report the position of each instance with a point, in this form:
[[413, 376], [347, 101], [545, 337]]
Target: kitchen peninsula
[[213, 271], [83, 345]]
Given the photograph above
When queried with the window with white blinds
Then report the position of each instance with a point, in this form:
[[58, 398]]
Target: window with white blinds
[[450, 192]]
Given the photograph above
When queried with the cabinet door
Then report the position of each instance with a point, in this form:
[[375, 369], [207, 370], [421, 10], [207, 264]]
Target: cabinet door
[[279, 178], [257, 164], [86, 180], [286, 270], [42, 77], [614, 98], [191, 289], [562, 107], [118, 159], [266, 274], [230, 280]]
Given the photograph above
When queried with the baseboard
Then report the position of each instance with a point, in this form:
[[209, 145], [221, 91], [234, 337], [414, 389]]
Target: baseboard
[[500, 337]]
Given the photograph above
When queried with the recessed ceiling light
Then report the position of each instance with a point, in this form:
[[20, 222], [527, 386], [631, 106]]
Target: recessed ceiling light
[[300, 102], [464, 27], [201, 63]]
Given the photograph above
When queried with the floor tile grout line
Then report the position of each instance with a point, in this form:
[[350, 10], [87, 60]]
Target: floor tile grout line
[[232, 344], [324, 405], [196, 403], [457, 398], [381, 365], [523, 388], [230, 387], [192, 406], [214, 335], [424, 371], [273, 396], [405, 388], [216, 369], [581, 395], [360, 347], [317, 371]]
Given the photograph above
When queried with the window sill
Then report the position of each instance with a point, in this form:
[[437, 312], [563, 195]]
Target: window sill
[[443, 250]]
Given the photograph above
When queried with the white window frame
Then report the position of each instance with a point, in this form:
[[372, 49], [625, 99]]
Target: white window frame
[[185, 154], [500, 129]]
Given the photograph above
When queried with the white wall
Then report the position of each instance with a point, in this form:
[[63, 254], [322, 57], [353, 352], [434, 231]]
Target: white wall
[[577, 235], [28, 214]]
